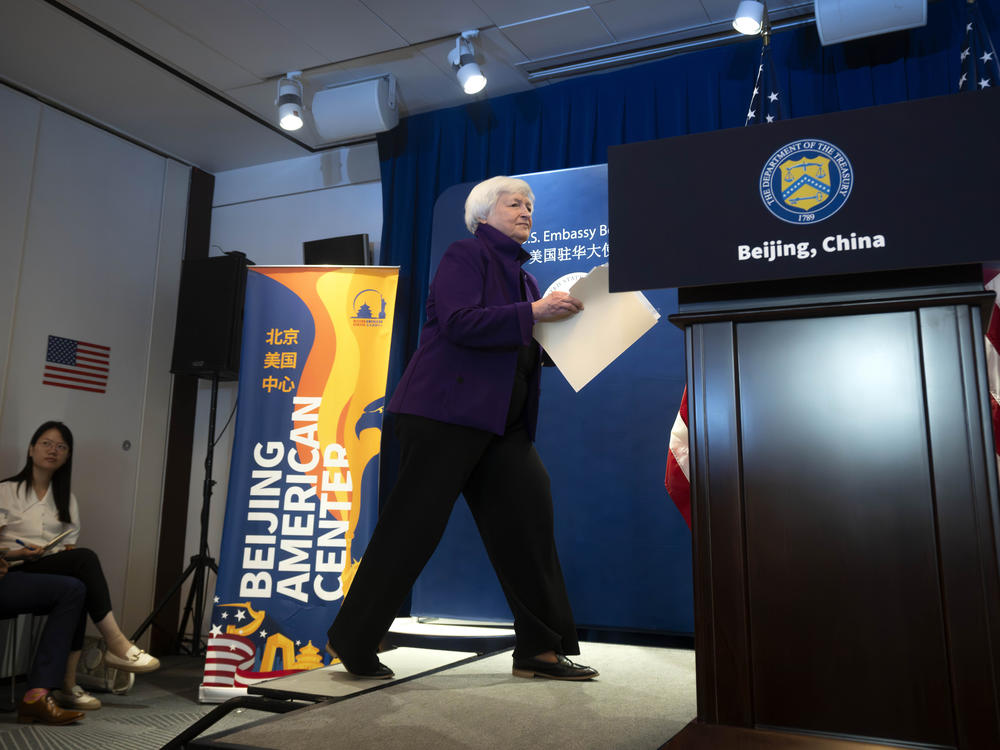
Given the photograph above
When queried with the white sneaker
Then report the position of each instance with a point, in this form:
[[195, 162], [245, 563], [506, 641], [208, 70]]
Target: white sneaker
[[77, 699], [136, 660]]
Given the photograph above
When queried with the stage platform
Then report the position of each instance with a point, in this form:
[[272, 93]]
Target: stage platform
[[334, 682], [449, 700]]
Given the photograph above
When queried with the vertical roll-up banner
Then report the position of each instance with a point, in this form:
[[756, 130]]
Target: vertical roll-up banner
[[303, 480]]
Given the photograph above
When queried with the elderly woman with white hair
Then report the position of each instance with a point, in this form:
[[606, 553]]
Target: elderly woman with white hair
[[467, 406]]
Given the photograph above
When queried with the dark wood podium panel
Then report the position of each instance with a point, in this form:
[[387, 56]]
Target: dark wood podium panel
[[845, 518], [839, 512]]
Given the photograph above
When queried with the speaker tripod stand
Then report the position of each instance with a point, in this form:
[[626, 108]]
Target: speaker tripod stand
[[200, 563]]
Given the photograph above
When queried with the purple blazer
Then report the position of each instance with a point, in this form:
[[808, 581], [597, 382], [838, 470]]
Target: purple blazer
[[463, 370]]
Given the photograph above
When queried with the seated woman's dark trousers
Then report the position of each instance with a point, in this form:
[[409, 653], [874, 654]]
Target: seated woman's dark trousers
[[82, 564], [60, 598], [507, 489]]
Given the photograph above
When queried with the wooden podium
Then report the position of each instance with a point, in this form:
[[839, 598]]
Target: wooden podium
[[844, 486], [844, 498]]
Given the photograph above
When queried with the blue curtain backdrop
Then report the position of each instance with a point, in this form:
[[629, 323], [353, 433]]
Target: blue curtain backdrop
[[572, 124]]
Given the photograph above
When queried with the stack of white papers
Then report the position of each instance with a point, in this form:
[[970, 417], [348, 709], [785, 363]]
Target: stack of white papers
[[584, 344]]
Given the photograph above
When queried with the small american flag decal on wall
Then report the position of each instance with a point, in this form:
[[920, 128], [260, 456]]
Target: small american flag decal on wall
[[76, 364]]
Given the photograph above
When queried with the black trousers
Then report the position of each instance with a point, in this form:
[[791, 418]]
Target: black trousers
[[82, 564], [58, 597], [507, 489]]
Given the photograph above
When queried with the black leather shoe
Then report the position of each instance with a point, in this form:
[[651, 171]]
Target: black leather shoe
[[562, 669], [379, 672]]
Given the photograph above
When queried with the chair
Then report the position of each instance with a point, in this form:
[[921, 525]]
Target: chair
[[10, 643], [13, 645]]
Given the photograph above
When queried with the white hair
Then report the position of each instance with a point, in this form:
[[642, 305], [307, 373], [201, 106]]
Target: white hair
[[485, 195]]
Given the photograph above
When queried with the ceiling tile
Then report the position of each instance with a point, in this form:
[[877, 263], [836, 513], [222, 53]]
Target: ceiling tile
[[504, 12], [633, 19], [430, 19], [240, 31], [129, 94], [724, 10], [554, 35], [338, 30], [166, 42]]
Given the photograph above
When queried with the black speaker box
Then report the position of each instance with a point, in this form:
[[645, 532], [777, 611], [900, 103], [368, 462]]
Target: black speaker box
[[349, 250], [210, 317]]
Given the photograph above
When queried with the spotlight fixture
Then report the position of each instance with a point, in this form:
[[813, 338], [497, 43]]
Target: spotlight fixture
[[749, 17], [463, 59], [289, 101]]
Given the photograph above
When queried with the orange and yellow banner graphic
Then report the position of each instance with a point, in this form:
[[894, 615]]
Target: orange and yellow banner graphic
[[303, 484]]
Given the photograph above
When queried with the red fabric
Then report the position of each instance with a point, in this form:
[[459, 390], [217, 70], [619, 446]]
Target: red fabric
[[993, 332], [992, 282], [677, 479], [995, 413]]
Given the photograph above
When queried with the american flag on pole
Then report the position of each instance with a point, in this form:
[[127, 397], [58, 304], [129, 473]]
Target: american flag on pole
[[765, 102], [76, 364], [765, 107], [980, 67]]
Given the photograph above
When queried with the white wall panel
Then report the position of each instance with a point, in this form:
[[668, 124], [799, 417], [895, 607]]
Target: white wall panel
[[155, 415], [19, 118], [89, 272], [271, 232], [350, 165]]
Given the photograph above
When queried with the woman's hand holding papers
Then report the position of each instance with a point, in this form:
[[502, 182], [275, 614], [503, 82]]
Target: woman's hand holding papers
[[555, 306]]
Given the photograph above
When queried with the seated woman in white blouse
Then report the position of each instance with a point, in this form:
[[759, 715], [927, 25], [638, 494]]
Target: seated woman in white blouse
[[36, 505]]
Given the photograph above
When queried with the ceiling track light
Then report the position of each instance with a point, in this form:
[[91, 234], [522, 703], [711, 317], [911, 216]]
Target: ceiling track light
[[648, 54], [289, 101], [749, 18], [463, 59]]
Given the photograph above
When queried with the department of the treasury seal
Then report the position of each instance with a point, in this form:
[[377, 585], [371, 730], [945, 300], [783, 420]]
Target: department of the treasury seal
[[806, 181]]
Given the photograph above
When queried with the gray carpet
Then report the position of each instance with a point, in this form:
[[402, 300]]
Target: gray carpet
[[158, 708], [643, 697]]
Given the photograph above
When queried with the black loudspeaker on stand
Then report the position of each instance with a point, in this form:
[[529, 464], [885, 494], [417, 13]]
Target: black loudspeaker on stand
[[207, 343], [210, 317]]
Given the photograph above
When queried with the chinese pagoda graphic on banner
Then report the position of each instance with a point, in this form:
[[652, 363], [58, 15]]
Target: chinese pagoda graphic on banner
[[303, 481]]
